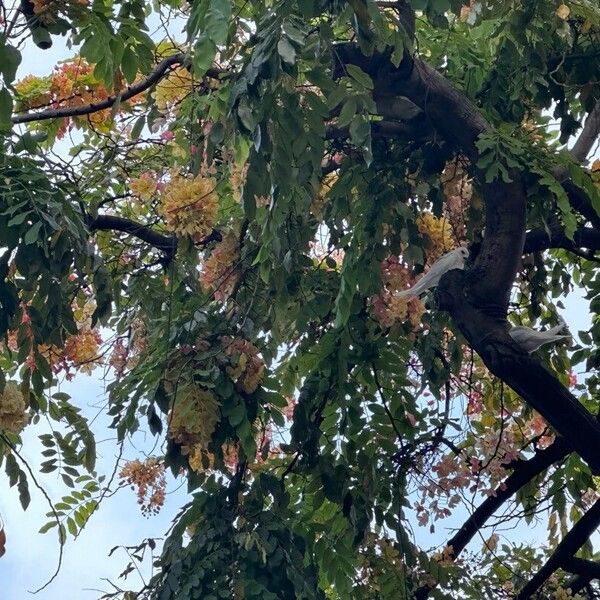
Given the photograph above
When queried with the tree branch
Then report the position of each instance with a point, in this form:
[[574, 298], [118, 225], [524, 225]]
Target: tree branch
[[579, 566], [538, 240], [165, 243], [522, 372], [131, 91], [588, 136], [461, 124], [385, 129], [563, 555], [523, 473]]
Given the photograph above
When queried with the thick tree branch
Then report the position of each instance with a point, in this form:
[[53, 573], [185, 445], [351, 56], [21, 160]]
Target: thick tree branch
[[461, 124], [570, 544], [167, 244], [164, 243], [522, 372], [523, 473], [133, 90], [478, 299], [386, 129], [578, 199], [580, 566], [588, 136], [538, 240]]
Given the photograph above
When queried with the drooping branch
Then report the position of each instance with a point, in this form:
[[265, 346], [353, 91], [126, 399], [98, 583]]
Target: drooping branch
[[167, 244], [538, 387], [538, 240], [563, 555], [588, 136], [133, 90], [523, 473]]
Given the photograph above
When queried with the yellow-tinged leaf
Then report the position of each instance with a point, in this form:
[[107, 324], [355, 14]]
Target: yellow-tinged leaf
[[563, 12], [596, 166], [491, 543]]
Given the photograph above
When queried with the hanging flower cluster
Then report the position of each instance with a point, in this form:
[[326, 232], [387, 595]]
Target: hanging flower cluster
[[124, 357], [453, 474], [82, 350], [13, 409], [33, 92], [143, 187], [47, 11], [458, 192], [439, 232], [173, 89], [189, 206], [387, 308], [147, 478], [246, 367], [320, 199], [194, 416], [220, 271], [72, 84]]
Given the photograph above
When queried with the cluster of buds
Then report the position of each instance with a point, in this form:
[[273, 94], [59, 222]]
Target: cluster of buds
[[386, 306], [245, 367], [221, 271], [147, 478], [13, 409]]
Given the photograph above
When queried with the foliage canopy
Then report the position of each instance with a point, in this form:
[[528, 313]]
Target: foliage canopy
[[225, 218]]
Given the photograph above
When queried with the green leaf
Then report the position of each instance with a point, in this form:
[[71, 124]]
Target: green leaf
[[72, 526], [137, 128], [358, 75], [6, 108], [286, 50], [10, 59], [48, 526], [32, 234], [129, 64]]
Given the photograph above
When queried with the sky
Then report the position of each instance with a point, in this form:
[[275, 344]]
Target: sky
[[31, 558]]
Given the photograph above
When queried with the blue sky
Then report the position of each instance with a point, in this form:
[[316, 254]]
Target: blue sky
[[31, 558]]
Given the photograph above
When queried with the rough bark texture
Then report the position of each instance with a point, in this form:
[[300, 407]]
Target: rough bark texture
[[563, 555]]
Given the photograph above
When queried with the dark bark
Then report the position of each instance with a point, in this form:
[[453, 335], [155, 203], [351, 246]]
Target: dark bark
[[523, 472], [538, 240], [167, 244], [563, 555], [580, 566], [460, 123], [588, 136], [522, 372], [478, 299], [386, 129]]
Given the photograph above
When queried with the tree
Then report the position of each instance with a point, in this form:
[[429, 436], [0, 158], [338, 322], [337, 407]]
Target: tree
[[240, 210]]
